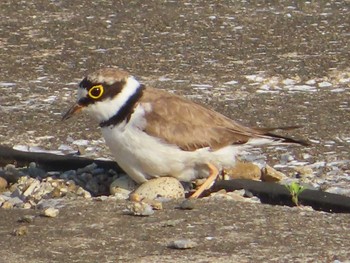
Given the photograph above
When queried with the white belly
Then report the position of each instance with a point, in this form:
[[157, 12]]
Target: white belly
[[143, 157]]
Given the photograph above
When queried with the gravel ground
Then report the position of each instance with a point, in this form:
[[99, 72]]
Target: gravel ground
[[96, 231], [264, 64]]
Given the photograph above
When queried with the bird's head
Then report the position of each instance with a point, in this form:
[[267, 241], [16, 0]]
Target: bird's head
[[103, 93]]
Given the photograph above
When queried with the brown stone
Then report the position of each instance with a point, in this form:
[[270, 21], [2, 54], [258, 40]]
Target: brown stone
[[269, 174], [3, 184], [20, 231], [244, 170], [304, 171], [7, 205]]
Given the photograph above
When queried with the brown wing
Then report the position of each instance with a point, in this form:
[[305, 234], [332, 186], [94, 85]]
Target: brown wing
[[190, 125]]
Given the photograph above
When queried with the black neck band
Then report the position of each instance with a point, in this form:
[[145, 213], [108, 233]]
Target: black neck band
[[126, 110]]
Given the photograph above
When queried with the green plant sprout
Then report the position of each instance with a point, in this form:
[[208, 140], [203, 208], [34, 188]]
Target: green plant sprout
[[295, 190]]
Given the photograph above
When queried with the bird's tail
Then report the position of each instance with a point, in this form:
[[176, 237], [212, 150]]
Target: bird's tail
[[284, 139]]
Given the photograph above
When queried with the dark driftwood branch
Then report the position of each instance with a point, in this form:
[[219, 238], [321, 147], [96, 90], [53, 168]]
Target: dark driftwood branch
[[272, 193], [50, 162]]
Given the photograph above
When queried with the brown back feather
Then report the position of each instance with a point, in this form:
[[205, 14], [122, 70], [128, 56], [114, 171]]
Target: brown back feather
[[191, 126]]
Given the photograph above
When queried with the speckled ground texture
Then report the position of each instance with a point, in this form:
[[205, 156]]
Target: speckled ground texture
[[268, 64]]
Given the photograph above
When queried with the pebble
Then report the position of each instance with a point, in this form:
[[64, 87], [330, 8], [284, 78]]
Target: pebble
[[270, 174], [34, 171], [140, 209], [2, 200], [182, 244], [156, 204], [26, 219], [324, 84], [244, 170], [31, 188], [304, 171], [82, 192], [167, 187], [11, 173], [238, 195], [187, 205], [20, 231], [87, 169], [47, 203], [122, 186], [7, 205], [68, 175], [16, 201], [93, 187], [101, 198], [3, 184], [50, 212]]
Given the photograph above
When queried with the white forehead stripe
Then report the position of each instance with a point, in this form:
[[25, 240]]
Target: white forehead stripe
[[102, 79], [108, 76]]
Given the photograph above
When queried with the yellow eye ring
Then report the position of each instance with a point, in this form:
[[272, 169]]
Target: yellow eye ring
[[96, 91]]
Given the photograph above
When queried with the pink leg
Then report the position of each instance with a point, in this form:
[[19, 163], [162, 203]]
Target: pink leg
[[213, 174]]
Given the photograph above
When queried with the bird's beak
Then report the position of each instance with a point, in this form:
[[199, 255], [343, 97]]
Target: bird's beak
[[74, 109]]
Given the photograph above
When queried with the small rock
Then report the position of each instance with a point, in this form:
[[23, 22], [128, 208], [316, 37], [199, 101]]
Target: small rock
[[124, 185], [20, 231], [135, 197], [3, 184], [225, 196], [87, 169], [324, 84], [26, 219], [101, 198], [34, 171], [11, 173], [68, 175], [140, 209], [85, 177], [304, 171], [157, 205], [187, 205], [15, 192], [50, 212], [49, 203], [244, 170], [2, 200], [7, 205], [82, 192], [15, 201], [168, 187], [44, 189], [26, 206], [269, 174], [306, 208], [182, 244], [98, 171], [92, 186], [286, 158], [35, 184]]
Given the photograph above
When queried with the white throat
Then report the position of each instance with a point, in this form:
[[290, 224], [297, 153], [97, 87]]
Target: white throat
[[104, 110]]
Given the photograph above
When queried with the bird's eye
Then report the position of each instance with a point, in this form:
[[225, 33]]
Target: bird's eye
[[96, 91]]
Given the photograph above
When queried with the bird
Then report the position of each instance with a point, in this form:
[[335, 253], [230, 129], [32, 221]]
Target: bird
[[153, 133]]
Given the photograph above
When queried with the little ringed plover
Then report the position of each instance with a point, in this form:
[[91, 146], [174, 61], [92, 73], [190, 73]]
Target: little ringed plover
[[154, 133]]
